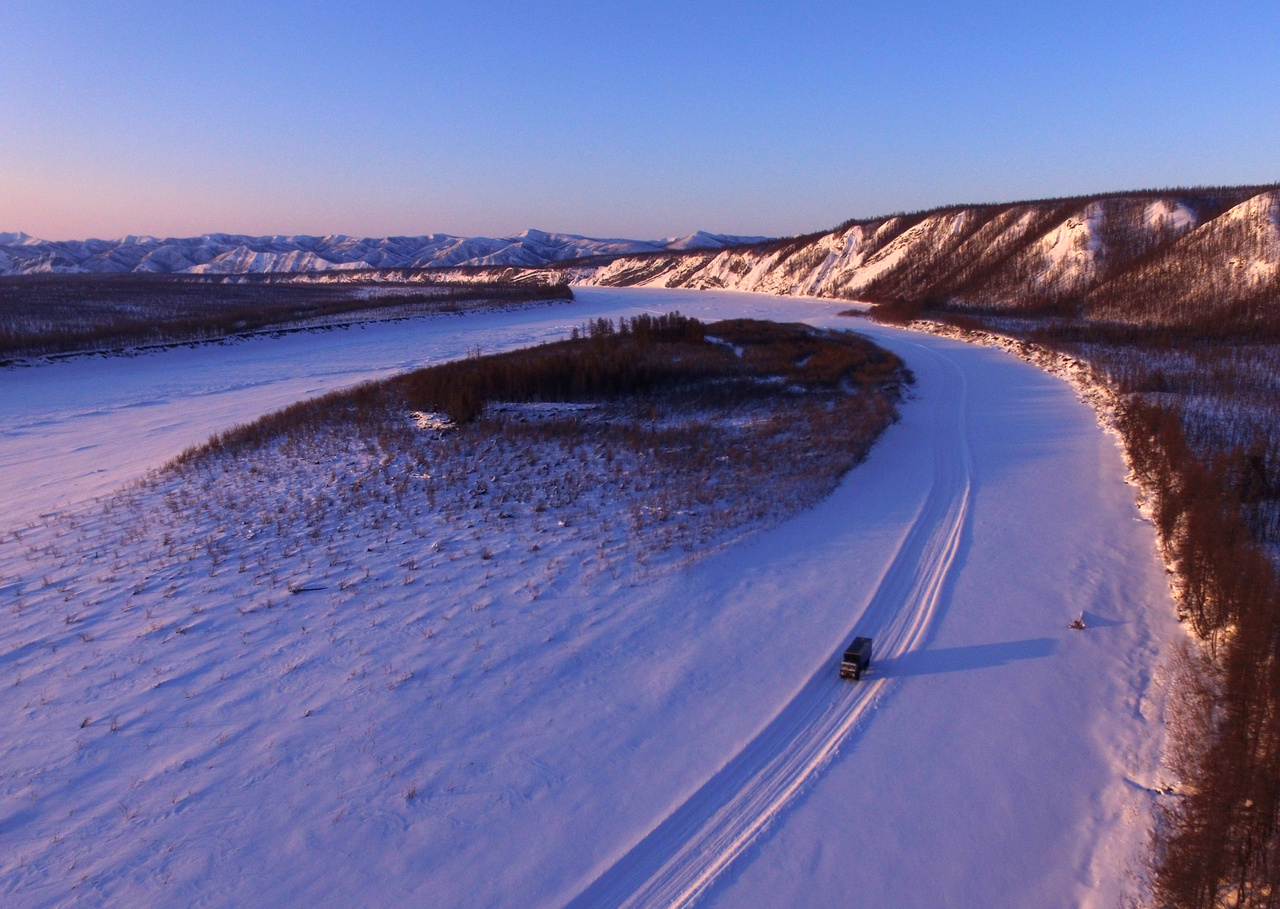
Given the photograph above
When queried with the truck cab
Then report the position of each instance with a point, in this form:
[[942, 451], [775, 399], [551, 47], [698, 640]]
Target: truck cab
[[856, 659]]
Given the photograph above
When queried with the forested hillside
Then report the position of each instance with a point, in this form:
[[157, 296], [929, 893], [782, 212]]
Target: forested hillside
[[1205, 259]]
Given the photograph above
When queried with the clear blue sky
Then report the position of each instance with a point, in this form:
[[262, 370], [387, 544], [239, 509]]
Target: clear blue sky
[[636, 120]]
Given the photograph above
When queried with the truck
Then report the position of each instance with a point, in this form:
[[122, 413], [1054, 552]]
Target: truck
[[856, 659]]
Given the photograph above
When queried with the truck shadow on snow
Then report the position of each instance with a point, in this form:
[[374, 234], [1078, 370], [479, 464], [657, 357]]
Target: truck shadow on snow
[[1093, 620], [963, 659]]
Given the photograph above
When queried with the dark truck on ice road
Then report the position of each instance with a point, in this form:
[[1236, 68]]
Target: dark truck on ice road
[[857, 659]]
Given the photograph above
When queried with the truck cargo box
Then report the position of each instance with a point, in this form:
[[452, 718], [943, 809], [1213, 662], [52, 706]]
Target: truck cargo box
[[857, 659]]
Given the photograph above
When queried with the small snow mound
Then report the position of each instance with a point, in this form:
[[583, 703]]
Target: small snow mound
[[438, 422]]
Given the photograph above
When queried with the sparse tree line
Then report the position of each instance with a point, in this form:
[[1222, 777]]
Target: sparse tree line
[[49, 315], [1222, 845], [647, 353], [646, 356]]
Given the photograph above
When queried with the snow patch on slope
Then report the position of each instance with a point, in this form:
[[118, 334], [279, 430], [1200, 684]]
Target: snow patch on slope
[[1257, 221], [1168, 214], [1069, 252]]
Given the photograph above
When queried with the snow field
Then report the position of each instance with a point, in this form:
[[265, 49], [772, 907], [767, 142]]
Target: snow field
[[682, 858], [1001, 758]]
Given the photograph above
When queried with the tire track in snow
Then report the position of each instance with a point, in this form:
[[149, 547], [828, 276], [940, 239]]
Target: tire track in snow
[[680, 858]]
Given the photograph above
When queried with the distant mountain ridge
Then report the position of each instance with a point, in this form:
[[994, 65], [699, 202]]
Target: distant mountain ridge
[[21, 254], [1203, 259]]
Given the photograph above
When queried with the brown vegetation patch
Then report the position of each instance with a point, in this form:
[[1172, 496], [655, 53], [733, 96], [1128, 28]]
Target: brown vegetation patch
[[687, 430]]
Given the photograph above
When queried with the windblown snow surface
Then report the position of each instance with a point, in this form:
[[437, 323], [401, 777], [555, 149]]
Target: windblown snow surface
[[679, 735]]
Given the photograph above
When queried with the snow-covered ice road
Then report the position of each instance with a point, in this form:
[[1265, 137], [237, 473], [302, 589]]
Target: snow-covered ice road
[[686, 740], [682, 857]]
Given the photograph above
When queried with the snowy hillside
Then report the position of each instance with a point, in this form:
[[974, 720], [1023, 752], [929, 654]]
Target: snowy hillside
[[234, 254], [1156, 257]]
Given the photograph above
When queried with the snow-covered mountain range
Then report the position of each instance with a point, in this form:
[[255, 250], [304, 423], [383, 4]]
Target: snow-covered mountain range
[[21, 254], [1172, 257]]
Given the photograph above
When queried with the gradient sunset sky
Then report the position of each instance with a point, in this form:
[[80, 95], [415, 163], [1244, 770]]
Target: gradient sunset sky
[[638, 120]]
